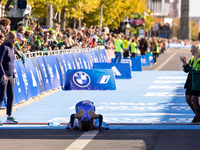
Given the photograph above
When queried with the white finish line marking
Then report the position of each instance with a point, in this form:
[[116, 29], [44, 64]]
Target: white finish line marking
[[172, 77], [165, 62], [170, 81], [83, 140]]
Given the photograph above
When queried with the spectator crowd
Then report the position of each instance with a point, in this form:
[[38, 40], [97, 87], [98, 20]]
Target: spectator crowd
[[34, 38]]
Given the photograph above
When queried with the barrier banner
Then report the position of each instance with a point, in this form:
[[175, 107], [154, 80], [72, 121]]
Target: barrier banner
[[62, 69], [19, 87], [69, 59], [108, 55], [150, 55], [44, 73], [57, 68], [32, 78], [136, 64], [85, 61], [127, 60], [103, 56], [54, 76], [91, 79], [39, 75], [90, 58], [96, 57], [145, 61], [26, 81], [121, 70], [77, 59]]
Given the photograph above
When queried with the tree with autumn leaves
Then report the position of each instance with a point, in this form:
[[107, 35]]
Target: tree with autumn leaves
[[114, 11]]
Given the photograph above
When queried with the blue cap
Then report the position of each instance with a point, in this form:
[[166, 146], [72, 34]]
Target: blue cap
[[20, 36]]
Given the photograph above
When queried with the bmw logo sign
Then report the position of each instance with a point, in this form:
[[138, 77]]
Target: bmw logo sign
[[81, 79]]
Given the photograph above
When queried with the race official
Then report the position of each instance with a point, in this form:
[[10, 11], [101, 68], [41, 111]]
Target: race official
[[192, 84], [118, 49]]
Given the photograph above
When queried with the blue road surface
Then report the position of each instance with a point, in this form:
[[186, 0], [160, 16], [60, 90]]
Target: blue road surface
[[149, 97]]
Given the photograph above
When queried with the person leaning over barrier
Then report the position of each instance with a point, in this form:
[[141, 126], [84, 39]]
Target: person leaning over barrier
[[192, 84], [7, 74], [85, 113]]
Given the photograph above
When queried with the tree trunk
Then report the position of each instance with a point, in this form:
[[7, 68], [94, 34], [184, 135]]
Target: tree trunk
[[63, 24], [184, 22]]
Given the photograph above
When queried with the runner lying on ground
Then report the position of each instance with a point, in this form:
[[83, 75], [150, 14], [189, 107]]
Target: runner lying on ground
[[85, 114]]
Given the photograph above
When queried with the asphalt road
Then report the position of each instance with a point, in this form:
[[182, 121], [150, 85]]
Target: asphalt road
[[110, 139], [170, 60]]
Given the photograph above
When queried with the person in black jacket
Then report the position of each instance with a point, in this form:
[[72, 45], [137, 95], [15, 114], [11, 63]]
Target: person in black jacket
[[7, 75], [143, 46]]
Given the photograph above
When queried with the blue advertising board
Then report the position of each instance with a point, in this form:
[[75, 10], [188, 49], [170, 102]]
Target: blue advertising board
[[26, 80], [32, 78], [62, 70], [19, 87], [53, 74], [78, 62], [57, 68], [70, 61], [103, 56], [90, 58], [84, 60], [39, 75], [121, 70], [91, 79], [136, 64], [44, 73], [150, 57], [96, 57], [145, 61]]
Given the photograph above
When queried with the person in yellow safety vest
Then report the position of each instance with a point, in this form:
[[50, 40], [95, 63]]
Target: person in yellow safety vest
[[126, 45], [133, 48], [56, 30], [39, 46], [155, 50], [118, 49], [192, 84], [52, 43]]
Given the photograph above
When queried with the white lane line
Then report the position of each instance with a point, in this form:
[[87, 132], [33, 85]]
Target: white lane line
[[166, 87], [172, 77], [169, 81], [83, 140], [166, 61]]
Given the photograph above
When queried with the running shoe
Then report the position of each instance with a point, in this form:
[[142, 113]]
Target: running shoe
[[11, 120], [1, 123], [194, 119]]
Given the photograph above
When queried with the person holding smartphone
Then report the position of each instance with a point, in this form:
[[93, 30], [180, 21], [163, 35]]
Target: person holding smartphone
[[7, 75]]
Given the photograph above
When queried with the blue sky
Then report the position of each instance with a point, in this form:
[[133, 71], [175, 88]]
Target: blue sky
[[194, 8]]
